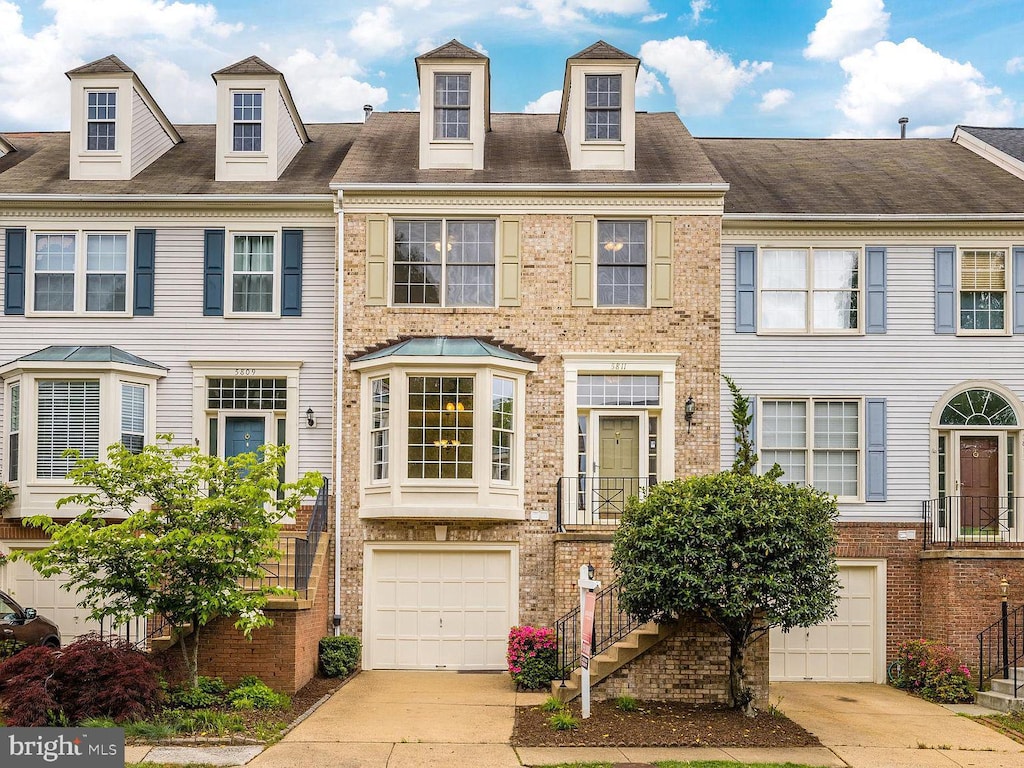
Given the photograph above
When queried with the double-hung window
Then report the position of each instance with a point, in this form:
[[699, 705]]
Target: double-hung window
[[444, 262], [817, 442], [247, 121], [14, 433], [380, 428], [101, 117], [983, 290], [252, 274], [67, 418], [604, 107], [622, 263], [80, 272], [815, 290], [133, 417], [451, 106]]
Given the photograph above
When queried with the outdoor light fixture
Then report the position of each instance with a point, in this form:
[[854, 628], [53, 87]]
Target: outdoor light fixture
[[689, 408], [590, 571], [1004, 588], [309, 417]]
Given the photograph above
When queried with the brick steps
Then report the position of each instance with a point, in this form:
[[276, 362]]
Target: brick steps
[[633, 645], [1001, 695]]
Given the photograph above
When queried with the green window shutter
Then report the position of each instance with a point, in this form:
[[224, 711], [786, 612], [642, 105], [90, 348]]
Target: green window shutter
[[508, 276], [583, 261], [291, 273], [213, 272], [145, 272], [661, 262], [376, 260]]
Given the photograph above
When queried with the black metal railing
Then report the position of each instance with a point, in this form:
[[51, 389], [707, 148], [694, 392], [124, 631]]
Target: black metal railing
[[611, 624], [292, 570], [1001, 647], [953, 521], [585, 500]]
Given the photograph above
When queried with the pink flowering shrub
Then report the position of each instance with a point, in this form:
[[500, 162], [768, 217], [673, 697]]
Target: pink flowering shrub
[[934, 671], [532, 656]]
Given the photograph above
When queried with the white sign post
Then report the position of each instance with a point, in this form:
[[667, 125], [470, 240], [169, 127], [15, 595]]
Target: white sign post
[[587, 586]]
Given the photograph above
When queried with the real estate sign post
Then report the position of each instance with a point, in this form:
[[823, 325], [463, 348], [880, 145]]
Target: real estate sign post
[[588, 596]]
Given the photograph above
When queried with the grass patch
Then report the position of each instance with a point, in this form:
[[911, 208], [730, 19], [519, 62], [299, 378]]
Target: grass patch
[[626, 704], [563, 721], [551, 704]]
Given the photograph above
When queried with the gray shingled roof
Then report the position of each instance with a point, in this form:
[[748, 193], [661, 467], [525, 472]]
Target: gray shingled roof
[[453, 49], [523, 149], [87, 354], [253, 65], [105, 66], [40, 166], [602, 50], [861, 176], [1008, 140]]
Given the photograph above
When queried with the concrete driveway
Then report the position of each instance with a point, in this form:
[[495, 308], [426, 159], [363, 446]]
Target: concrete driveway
[[875, 726]]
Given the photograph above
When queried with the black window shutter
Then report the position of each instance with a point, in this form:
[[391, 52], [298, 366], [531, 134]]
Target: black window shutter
[[14, 272], [145, 272], [213, 272], [291, 273]]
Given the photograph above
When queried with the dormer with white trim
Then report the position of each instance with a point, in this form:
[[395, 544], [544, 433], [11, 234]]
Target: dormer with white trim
[[117, 128], [5, 146], [259, 130], [598, 115], [455, 108]]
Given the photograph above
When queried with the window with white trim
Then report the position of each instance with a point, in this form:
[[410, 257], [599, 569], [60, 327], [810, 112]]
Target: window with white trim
[[441, 419], [100, 124], [816, 442], [133, 417], [14, 433], [622, 263], [247, 121], [67, 418], [80, 272], [810, 290], [444, 262], [983, 281], [451, 106], [603, 107], [503, 421], [253, 273], [380, 427]]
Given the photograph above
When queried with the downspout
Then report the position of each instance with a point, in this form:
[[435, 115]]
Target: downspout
[[339, 315]]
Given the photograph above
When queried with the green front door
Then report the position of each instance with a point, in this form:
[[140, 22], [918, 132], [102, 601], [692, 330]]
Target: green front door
[[243, 434], [618, 466]]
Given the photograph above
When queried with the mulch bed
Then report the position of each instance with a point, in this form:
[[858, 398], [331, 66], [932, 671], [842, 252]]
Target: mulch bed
[[660, 724]]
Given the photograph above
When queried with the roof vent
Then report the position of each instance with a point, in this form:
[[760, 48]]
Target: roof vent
[[903, 126], [367, 109]]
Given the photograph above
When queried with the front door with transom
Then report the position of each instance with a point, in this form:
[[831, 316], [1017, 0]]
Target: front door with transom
[[618, 463], [979, 484], [243, 434]]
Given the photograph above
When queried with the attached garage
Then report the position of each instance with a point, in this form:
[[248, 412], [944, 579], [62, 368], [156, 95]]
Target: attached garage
[[49, 599], [439, 607], [851, 647]]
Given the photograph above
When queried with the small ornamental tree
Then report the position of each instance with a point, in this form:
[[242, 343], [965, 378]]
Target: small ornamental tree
[[745, 551], [745, 460], [196, 528]]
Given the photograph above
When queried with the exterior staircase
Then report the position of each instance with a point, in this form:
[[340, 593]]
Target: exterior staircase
[[613, 658], [1002, 695]]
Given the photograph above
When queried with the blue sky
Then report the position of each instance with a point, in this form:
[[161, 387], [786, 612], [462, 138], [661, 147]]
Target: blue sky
[[729, 68]]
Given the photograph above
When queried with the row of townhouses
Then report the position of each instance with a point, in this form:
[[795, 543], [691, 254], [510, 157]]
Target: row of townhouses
[[488, 330]]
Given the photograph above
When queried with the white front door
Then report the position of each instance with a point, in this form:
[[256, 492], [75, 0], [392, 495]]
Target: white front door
[[843, 649], [439, 608]]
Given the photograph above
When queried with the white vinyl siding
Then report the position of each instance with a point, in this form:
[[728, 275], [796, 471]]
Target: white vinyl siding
[[288, 141], [67, 418], [909, 366], [249, 340], [149, 139]]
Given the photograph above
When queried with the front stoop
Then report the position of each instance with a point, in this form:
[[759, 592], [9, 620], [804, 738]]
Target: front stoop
[[1001, 695], [633, 645]]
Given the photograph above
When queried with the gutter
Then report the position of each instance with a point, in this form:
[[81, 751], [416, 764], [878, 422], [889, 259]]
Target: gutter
[[500, 189], [885, 217], [339, 315], [129, 198]]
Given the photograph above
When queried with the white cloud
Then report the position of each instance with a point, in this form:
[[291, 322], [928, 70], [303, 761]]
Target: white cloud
[[890, 80], [479, 48], [326, 88], [93, 19], [697, 8], [1015, 66], [377, 30], [647, 83], [650, 18], [775, 98], [848, 26], [550, 102], [556, 13], [704, 80]]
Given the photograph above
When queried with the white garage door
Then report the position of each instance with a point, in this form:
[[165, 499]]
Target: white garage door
[[439, 609], [31, 590], [839, 650]]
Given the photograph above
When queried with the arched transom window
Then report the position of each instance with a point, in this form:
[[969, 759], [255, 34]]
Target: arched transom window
[[978, 408]]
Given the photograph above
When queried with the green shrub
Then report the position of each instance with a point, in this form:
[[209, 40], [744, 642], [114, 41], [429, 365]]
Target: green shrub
[[212, 685], [626, 704], [188, 697], [551, 704], [253, 693], [563, 721], [339, 656], [934, 671], [6, 496], [9, 646]]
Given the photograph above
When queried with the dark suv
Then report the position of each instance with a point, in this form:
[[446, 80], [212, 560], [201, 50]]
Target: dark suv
[[25, 626]]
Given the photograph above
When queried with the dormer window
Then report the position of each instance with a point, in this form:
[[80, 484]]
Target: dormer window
[[451, 106], [100, 122], [247, 121], [604, 107]]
